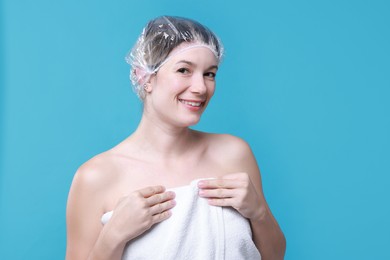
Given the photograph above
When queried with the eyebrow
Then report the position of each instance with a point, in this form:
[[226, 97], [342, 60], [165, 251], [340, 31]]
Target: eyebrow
[[192, 64]]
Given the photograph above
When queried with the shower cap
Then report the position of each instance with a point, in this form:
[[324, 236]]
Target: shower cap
[[157, 40]]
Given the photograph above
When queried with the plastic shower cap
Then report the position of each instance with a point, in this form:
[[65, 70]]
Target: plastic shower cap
[[160, 36]]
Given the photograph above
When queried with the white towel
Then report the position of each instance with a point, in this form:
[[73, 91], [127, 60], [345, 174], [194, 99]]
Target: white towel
[[195, 230]]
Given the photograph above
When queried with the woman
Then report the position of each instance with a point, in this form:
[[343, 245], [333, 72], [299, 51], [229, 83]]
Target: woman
[[167, 191]]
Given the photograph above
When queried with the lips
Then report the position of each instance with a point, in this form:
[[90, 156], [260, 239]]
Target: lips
[[192, 103]]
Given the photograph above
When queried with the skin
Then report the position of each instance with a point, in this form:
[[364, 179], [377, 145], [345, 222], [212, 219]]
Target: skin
[[132, 178]]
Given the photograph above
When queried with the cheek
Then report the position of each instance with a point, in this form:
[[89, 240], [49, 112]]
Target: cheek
[[211, 89], [173, 84]]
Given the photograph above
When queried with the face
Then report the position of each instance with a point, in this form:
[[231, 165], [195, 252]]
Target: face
[[180, 91]]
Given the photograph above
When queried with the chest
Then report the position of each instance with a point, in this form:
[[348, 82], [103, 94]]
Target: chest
[[135, 175]]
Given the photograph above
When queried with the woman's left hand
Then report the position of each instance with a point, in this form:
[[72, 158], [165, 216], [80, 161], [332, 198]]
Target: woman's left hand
[[235, 190]]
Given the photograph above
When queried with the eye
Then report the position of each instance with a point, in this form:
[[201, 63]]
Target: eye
[[183, 70], [211, 75]]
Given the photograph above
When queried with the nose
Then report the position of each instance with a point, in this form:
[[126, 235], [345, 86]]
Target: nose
[[198, 84]]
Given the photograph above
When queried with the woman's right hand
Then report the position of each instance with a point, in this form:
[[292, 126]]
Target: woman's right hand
[[140, 210]]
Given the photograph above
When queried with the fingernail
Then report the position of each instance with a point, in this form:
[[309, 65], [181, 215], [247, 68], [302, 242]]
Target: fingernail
[[201, 192], [201, 184]]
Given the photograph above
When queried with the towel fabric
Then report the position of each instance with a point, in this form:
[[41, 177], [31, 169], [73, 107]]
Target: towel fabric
[[195, 230]]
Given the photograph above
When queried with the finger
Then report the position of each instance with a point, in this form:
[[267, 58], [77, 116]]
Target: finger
[[221, 202], [218, 183], [161, 207], [217, 193], [149, 191], [161, 217], [161, 197]]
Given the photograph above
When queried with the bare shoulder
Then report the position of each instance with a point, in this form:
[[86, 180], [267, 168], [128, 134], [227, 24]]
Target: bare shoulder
[[228, 148], [90, 185], [86, 204], [97, 172], [234, 155]]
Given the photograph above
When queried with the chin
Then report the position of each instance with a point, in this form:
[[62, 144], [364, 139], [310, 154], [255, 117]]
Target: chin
[[188, 123]]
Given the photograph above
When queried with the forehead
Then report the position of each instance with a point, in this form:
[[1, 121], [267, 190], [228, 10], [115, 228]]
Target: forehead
[[193, 52]]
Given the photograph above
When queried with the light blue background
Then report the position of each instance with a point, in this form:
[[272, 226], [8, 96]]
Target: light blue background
[[306, 83]]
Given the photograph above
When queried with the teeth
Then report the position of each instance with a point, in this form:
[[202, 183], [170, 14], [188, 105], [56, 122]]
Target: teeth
[[190, 103]]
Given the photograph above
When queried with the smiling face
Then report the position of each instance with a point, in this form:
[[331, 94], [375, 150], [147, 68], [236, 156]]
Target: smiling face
[[180, 91]]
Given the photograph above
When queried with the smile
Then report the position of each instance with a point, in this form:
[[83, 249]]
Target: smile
[[192, 103]]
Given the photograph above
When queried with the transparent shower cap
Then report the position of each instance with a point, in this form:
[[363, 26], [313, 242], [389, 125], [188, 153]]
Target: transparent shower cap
[[156, 42]]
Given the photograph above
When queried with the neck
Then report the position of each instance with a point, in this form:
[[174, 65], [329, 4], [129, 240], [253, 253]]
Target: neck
[[161, 141]]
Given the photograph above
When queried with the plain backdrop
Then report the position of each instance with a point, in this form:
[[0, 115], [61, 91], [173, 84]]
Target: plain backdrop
[[306, 83]]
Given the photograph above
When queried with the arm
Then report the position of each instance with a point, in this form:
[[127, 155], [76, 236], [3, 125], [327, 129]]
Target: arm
[[243, 191], [84, 210], [135, 213], [267, 234]]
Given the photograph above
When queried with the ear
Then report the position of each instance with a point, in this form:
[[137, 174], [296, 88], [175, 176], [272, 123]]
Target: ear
[[144, 79], [139, 75], [149, 82], [147, 87]]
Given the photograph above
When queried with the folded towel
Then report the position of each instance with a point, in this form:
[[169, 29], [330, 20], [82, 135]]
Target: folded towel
[[195, 230]]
